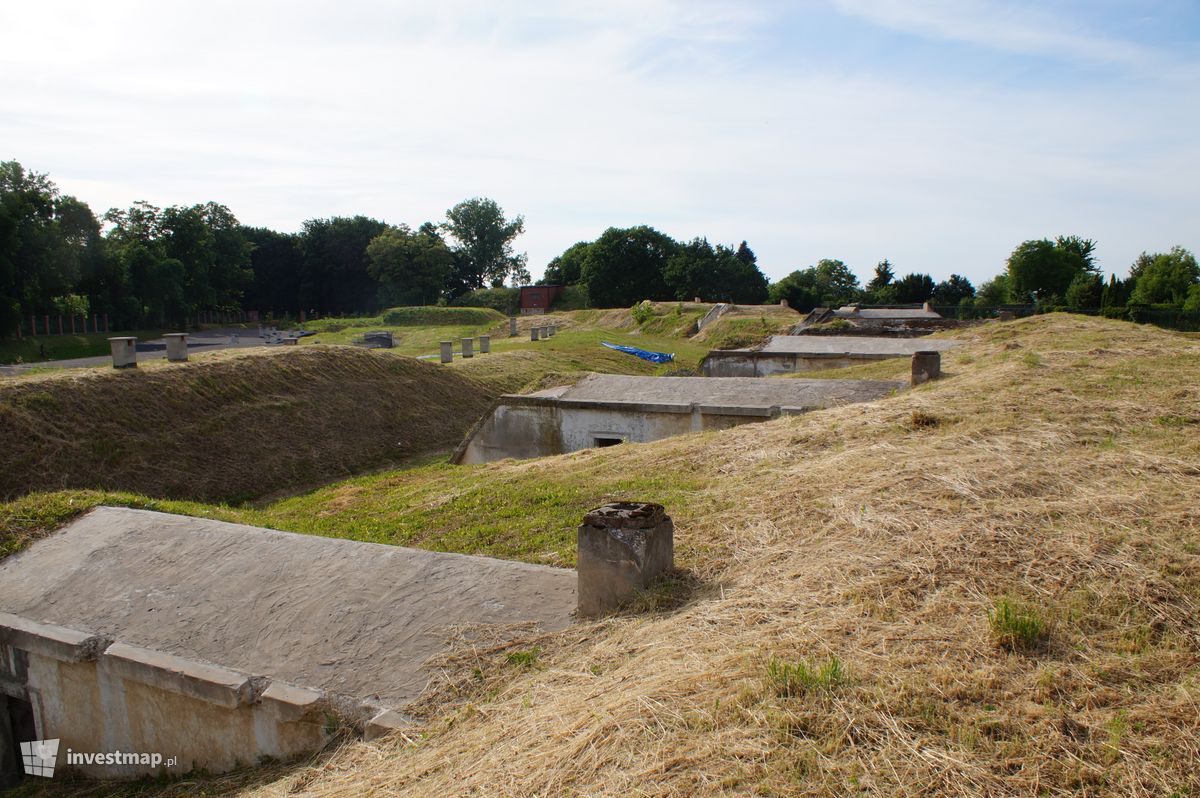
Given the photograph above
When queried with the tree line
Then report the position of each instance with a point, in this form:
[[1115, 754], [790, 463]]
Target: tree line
[[147, 266], [624, 266]]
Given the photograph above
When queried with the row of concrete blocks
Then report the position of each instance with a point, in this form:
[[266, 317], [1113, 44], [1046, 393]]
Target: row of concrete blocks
[[212, 684], [468, 347]]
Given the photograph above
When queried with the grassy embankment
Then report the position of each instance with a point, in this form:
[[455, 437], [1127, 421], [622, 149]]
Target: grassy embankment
[[988, 585]]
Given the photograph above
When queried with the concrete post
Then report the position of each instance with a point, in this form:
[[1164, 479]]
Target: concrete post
[[124, 352], [176, 347], [467, 347], [783, 303], [1005, 315], [552, 330], [533, 333], [622, 548], [447, 351], [926, 366], [512, 326], [485, 344]]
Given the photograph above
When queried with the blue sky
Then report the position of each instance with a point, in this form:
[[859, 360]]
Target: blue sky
[[936, 133]]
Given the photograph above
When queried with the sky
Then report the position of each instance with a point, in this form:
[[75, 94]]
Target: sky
[[936, 133]]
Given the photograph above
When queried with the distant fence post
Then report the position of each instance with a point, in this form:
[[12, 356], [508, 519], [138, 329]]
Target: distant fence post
[[46, 318]]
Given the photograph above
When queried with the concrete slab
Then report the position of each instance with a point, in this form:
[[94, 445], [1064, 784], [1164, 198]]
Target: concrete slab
[[734, 392], [357, 619], [855, 345]]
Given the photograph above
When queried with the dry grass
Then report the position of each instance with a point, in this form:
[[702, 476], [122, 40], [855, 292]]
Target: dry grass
[[866, 536], [230, 426], [862, 537]]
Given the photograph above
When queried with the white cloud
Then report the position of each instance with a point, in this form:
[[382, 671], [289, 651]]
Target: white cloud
[[583, 116]]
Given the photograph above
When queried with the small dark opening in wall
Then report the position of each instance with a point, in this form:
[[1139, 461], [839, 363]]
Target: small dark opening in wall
[[17, 716], [602, 442]]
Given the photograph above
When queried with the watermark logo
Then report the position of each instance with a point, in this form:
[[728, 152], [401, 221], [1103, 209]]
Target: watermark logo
[[39, 757]]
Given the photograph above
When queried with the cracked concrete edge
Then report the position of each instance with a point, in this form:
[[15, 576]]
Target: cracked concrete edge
[[50, 640]]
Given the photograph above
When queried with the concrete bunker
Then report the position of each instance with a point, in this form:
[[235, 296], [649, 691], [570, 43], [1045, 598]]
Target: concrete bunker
[[607, 409], [788, 354], [218, 643]]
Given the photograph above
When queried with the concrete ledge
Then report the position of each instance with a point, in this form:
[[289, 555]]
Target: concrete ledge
[[48, 640], [210, 683], [291, 703], [386, 722], [726, 410]]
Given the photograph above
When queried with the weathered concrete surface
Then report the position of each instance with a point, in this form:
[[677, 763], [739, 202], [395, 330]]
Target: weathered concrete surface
[[623, 547], [787, 354], [358, 619], [604, 408], [855, 345], [741, 393]]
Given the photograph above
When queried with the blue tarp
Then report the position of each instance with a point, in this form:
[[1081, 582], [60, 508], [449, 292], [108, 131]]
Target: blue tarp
[[653, 357]]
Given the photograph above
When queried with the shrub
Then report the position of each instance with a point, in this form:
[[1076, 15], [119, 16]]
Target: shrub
[[642, 312], [1017, 626], [524, 659], [504, 300]]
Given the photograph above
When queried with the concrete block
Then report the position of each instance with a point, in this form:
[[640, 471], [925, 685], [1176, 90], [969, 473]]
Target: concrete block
[[290, 703], [512, 326], [447, 351], [485, 344], [468, 347], [210, 683], [48, 640], [551, 331], [124, 352], [290, 341], [622, 548], [386, 722], [177, 351], [1005, 315], [534, 332], [926, 366]]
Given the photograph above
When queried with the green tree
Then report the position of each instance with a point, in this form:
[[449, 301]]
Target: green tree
[[625, 265], [567, 268], [483, 245], [277, 263], [335, 278], [830, 283], [1085, 291], [1164, 277], [953, 291], [1192, 303], [697, 269], [912, 288], [1116, 292], [1044, 269], [993, 292], [411, 268]]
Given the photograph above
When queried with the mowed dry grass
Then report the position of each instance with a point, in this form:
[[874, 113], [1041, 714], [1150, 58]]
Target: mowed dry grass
[[230, 426], [1057, 466]]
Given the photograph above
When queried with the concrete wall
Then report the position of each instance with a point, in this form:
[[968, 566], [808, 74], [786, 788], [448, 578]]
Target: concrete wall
[[96, 696], [527, 427], [748, 363]]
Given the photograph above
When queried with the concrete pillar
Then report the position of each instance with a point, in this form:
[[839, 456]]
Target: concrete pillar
[[468, 347], [622, 548], [697, 300], [551, 331], [926, 366], [533, 333], [124, 352], [512, 326], [176, 347], [1005, 315], [485, 344], [783, 303], [447, 351]]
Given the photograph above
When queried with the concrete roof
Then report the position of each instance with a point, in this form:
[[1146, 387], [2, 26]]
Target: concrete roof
[[854, 344], [739, 392], [850, 311], [358, 619]]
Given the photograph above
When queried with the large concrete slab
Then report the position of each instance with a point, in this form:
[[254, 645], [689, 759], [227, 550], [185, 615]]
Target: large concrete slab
[[733, 392], [358, 619], [854, 345]]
